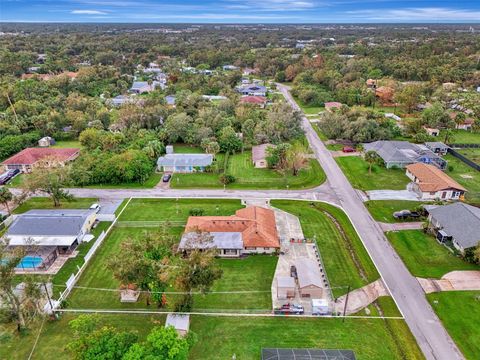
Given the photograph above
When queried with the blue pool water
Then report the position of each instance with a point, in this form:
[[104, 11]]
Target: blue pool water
[[29, 262]]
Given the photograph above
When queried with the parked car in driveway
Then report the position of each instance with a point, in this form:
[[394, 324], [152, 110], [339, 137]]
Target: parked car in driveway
[[8, 175], [166, 178], [406, 214], [95, 207], [289, 309], [348, 149]]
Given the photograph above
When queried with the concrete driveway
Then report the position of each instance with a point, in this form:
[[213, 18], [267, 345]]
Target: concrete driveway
[[392, 195]]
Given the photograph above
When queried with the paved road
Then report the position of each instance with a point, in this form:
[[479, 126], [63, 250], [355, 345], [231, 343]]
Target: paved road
[[430, 334]]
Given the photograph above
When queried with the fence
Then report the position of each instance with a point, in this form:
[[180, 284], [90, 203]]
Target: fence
[[465, 146], [464, 159]]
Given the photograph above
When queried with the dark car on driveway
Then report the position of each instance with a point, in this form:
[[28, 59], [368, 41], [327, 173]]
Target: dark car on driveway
[[406, 214], [7, 176], [166, 178]]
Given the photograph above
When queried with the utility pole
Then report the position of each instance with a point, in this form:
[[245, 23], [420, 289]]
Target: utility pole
[[346, 302]]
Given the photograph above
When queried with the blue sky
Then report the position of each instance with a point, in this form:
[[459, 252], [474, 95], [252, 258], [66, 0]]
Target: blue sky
[[240, 11]]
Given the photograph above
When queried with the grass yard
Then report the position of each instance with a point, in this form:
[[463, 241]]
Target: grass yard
[[424, 256], [221, 337], [462, 137], [47, 203], [344, 259], [472, 153], [67, 144], [382, 210], [459, 312], [356, 170], [308, 109], [465, 176], [176, 210], [249, 177]]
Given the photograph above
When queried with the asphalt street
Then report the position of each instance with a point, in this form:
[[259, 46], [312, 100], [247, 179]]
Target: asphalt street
[[429, 332]]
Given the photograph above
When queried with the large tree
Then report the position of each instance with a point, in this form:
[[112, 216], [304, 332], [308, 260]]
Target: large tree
[[297, 157], [51, 181], [5, 197], [371, 157]]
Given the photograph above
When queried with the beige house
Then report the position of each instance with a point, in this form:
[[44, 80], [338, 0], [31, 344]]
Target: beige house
[[259, 155], [431, 183], [310, 283]]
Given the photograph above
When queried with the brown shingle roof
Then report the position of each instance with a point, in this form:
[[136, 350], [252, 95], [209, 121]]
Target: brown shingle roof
[[254, 99], [30, 156], [432, 179], [256, 224]]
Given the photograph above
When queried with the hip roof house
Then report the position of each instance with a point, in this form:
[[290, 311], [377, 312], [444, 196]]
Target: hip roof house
[[458, 222], [185, 163], [432, 183], [27, 158], [250, 230], [403, 153]]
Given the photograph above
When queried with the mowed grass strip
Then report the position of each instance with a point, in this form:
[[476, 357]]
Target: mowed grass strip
[[382, 210], [248, 177], [356, 171], [47, 203], [465, 176], [344, 259], [459, 312], [176, 209], [424, 256], [221, 337]]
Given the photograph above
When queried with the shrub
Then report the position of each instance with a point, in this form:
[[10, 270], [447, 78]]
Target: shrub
[[196, 212], [226, 179]]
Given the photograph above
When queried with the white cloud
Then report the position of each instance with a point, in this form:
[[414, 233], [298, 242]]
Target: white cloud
[[416, 14], [88, 12]]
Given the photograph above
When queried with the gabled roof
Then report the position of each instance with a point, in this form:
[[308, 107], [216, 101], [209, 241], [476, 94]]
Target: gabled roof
[[253, 99], [432, 179], [185, 160], [30, 156], [259, 152], [308, 272], [459, 220], [256, 224], [333, 105]]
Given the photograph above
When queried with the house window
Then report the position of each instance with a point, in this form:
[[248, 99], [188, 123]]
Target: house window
[[230, 252], [250, 248], [266, 248]]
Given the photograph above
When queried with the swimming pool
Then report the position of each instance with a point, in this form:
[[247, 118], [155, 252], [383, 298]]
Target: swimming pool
[[30, 262]]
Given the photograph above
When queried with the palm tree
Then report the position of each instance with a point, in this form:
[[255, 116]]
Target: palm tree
[[371, 158], [5, 197]]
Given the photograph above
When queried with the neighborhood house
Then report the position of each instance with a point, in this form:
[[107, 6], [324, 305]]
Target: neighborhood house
[[252, 90], [431, 183], [140, 87], [49, 233], [458, 223], [402, 153], [184, 163], [251, 230], [26, 159]]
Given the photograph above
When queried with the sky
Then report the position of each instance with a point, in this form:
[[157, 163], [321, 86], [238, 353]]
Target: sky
[[240, 11]]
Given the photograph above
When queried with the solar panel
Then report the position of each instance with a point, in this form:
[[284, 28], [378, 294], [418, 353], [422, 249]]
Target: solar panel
[[307, 354]]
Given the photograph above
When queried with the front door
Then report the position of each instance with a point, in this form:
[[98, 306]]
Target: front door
[[444, 195]]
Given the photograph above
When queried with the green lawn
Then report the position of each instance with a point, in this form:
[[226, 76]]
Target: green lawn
[[465, 176], [344, 259], [67, 144], [176, 209], [221, 337], [334, 147], [356, 170], [424, 256], [462, 137], [249, 177], [47, 203], [472, 153], [459, 312], [308, 109], [382, 210]]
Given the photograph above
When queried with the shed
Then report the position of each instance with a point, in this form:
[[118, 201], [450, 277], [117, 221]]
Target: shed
[[259, 155], [310, 282], [169, 149], [181, 323], [285, 287], [46, 141]]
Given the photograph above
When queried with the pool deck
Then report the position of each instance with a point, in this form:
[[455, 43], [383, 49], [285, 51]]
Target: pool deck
[[53, 269]]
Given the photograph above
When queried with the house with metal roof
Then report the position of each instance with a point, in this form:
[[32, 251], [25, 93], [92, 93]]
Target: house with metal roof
[[140, 87], [184, 163], [457, 223], [402, 153], [252, 90], [310, 283]]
